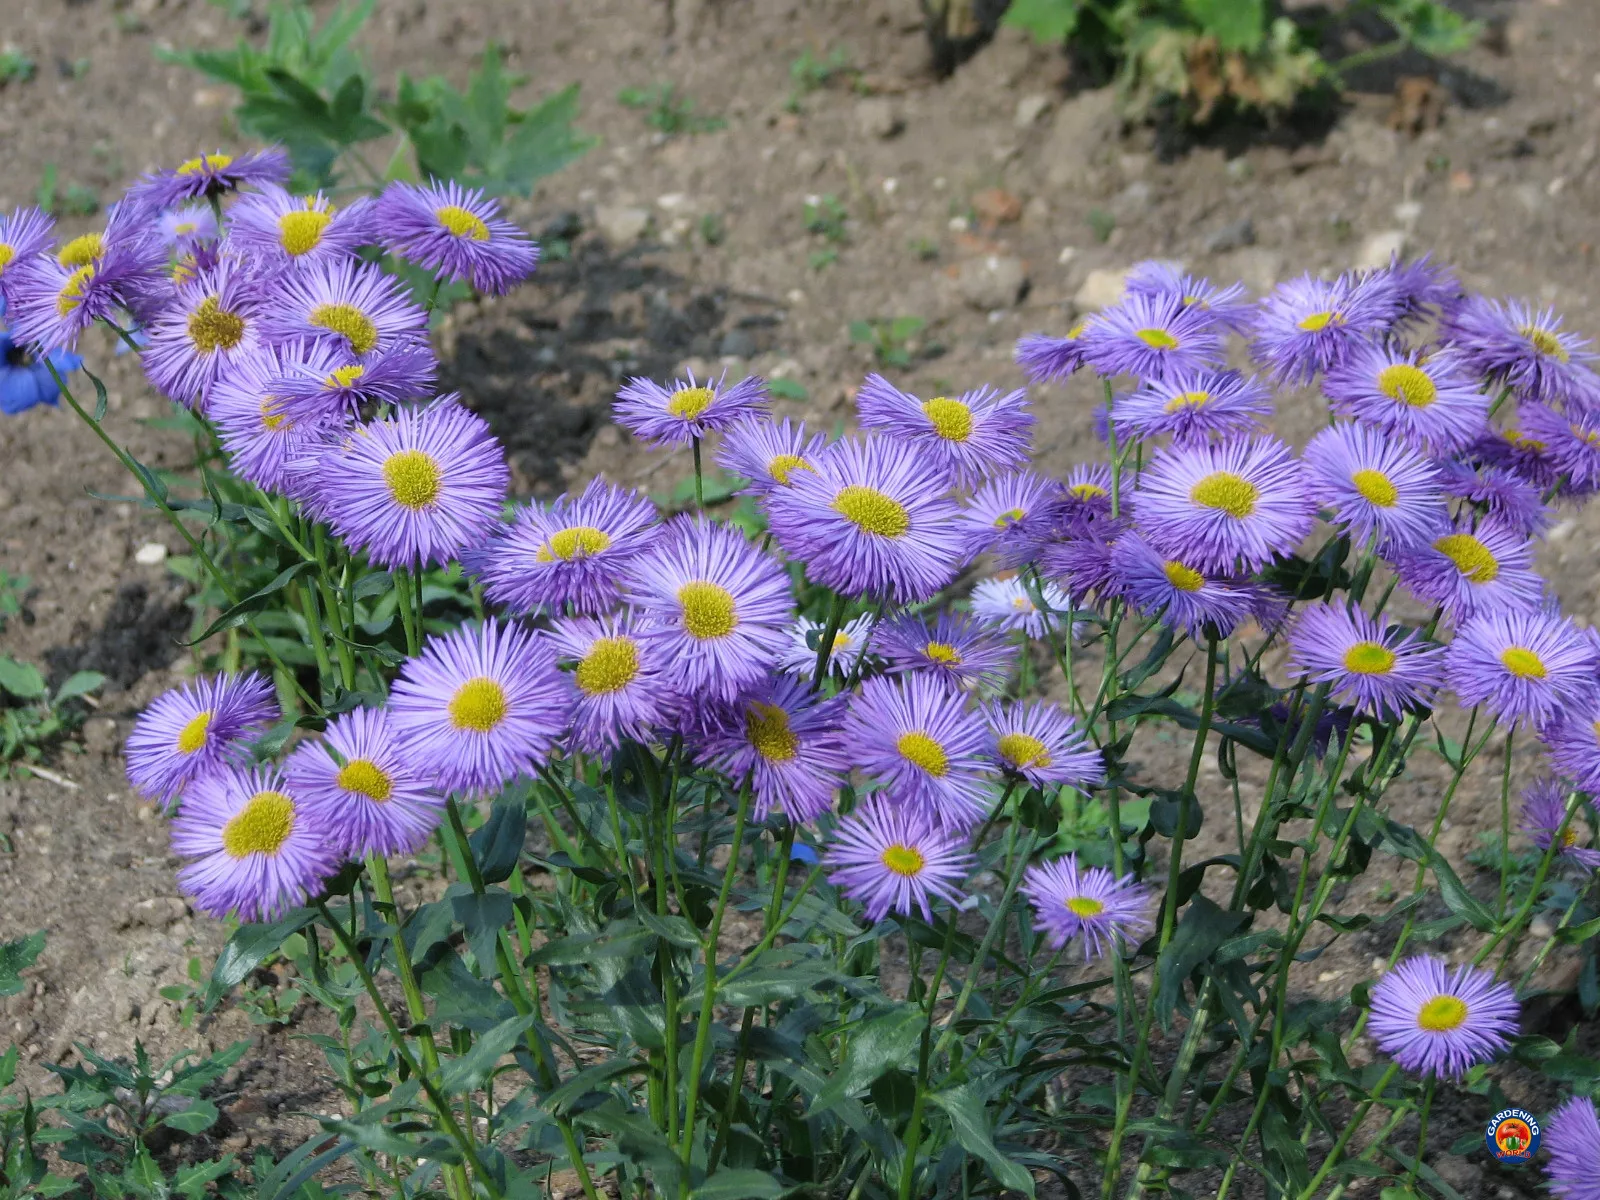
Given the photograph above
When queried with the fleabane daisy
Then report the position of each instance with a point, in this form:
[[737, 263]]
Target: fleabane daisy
[[1379, 488], [1520, 347], [215, 322], [325, 382], [873, 519], [569, 552], [1167, 280], [1007, 603], [923, 746], [768, 453], [1193, 406], [1152, 337], [24, 233], [1573, 743], [892, 859], [1427, 400], [1225, 507], [1475, 567], [1185, 596], [1010, 516], [786, 739], [1088, 903], [713, 606], [1039, 743], [1372, 664], [417, 488], [193, 730], [1048, 359], [1522, 666], [971, 436], [1510, 500], [279, 230], [368, 795], [620, 692], [481, 706], [207, 175], [1309, 325], [1434, 1021], [50, 304], [1518, 450], [1572, 1137], [687, 410], [183, 229], [958, 650], [352, 305], [804, 640], [455, 232], [1571, 442], [253, 424], [1544, 820]]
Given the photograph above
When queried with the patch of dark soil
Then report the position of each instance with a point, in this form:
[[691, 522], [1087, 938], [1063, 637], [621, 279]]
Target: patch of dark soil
[[141, 633]]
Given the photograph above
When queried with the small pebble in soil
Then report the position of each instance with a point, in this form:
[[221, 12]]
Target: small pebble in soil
[[150, 554]]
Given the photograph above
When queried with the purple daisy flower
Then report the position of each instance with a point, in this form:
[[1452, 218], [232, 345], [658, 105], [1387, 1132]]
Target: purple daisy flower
[[1373, 665], [712, 605], [1188, 598], [1378, 488], [1047, 359], [215, 323], [1165, 280], [1041, 744], [1423, 399], [874, 518], [351, 305], [24, 234], [1510, 500], [417, 488], [1469, 570], [1088, 903], [325, 382], [1312, 325], [1078, 560], [212, 174], [799, 654], [1573, 742], [957, 650], [362, 789], [1522, 666], [787, 740], [1420, 284], [1152, 337], [768, 452], [1520, 452], [688, 410], [621, 693], [1572, 1135], [1225, 505], [256, 847], [49, 304], [1544, 811], [192, 730], [184, 228], [1433, 1021], [279, 230], [971, 436], [481, 706], [569, 552], [1006, 603], [1087, 489], [1010, 517], [1571, 442], [923, 746], [457, 233], [253, 424], [1193, 406], [892, 859], [1520, 347]]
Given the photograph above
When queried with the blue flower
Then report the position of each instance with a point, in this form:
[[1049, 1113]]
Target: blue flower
[[25, 380]]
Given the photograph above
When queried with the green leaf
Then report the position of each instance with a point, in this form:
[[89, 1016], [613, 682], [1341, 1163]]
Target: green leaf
[[22, 680], [248, 948], [16, 957], [884, 1042], [1203, 929], [1457, 898], [788, 389], [498, 844], [739, 1184], [200, 1116], [1236, 24], [467, 1073], [79, 683], [255, 602], [1048, 22], [969, 1120]]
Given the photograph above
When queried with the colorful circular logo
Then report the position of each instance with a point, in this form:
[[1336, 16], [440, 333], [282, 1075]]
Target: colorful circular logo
[[1512, 1136]]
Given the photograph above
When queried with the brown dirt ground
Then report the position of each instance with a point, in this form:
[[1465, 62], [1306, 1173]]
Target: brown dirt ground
[[1505, 188]]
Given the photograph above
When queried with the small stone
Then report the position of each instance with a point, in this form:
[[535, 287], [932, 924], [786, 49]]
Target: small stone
[[1541, 928], [1030, 108], [736, 343], [1462, 181], [1408, 213], [621, 224], [150, 554], [1101, 289], [992, 281], [878, 117], [1377, 964], [1231, 236], [1378, 249], [996, 206]]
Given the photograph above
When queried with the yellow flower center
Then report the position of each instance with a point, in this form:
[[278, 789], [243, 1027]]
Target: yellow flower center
[[81, 251], [1188, 400], [1591, 436], [918, 748], [1523, 663], [343, 377], [366, 778], [272, 418], [260, 827], [1226, 492], [688, 403], [782, 466], [1442, 1014], [193, 735], [1184, 578], [479, 705], [708, 610], [462, 223], [413, 477], [8, 253], [904, 861], [1523, 442], [943, 652], [575, 541], [300, 232], [1076, 331], [1471, 557], [1088, 491], [1546, 343], [1376, 487], [71, 294], [211, 162], [1010, 517], [611, 665], [1407, 384], [1569, 838], [1022, 750], [951, 419], [1318, 321], [349, 322], [213, 328], [1085, 907], [1369, 658], [185, 228], [872, 512], [1157, 339], [767, 728]]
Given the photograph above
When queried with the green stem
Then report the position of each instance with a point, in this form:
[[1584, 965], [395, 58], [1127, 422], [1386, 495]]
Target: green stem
[[908, 1167], [1574, 802], [1422, 1130], [1350, 1128], [825, 642], [402, 585], [1505, 832], [699, 484], [319, 646]]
